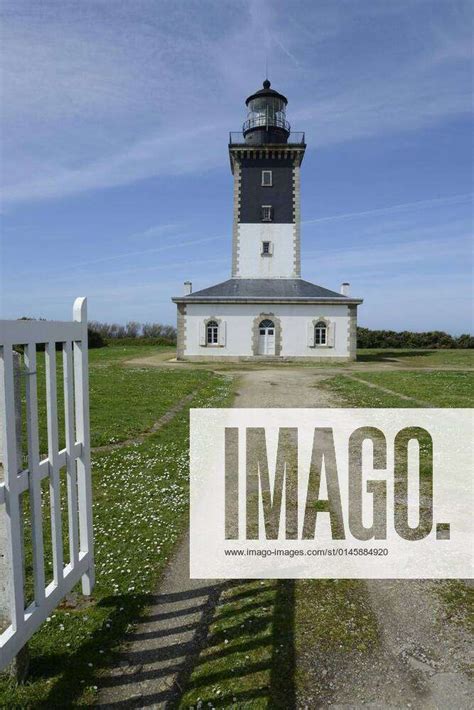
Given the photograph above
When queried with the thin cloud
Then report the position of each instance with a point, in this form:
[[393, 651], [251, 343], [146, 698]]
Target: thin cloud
[[453, 199], [168, 266], [383, 255], [128, 255], [284, 49], [159, 229], [119, 109], [131, 254]]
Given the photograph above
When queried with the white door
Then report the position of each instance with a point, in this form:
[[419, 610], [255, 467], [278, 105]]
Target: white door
[[266, 338]]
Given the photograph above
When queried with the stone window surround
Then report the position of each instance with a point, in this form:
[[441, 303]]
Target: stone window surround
[[255, 328], [267, 184], [206, 321], [321, 319]]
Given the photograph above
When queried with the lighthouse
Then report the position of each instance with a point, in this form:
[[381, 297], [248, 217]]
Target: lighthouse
[[266, 310], [266, 234]]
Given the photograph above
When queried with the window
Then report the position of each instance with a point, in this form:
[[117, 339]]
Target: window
[[267, 178], [212, 333], [266, 213], [320, 333], [266, 248]]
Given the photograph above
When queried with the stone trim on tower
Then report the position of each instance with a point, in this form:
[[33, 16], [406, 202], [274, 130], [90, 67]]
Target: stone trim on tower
[[297, 218], [235, 224], [289, 150]]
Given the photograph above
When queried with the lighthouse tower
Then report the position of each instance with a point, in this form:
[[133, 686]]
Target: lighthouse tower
[[266, 169], [266, 310]]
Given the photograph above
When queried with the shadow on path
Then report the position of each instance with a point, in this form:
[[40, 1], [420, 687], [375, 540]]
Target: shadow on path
[[391, 355], [205, 642]]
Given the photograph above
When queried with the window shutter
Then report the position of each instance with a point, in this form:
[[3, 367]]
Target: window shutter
[[202, 333], [331, 334], [222, 333], [310, 334], [270, 248]]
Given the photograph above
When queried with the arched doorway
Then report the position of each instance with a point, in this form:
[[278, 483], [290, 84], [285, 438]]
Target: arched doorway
[[266, 337]]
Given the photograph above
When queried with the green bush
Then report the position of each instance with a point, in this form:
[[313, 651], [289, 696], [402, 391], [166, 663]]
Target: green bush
[[140, 341], [95, 340], [431, 340], [148, 333]]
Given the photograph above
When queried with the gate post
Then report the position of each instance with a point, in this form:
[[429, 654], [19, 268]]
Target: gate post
[[18, 668], [84, 485]]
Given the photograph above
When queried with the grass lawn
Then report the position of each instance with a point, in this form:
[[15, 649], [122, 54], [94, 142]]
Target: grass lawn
[[124, 401], [440, 389], [140, 495], [418, 358], [458, 601]]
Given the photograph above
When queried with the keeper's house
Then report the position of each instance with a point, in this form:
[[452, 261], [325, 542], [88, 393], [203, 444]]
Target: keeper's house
[[266, 310]]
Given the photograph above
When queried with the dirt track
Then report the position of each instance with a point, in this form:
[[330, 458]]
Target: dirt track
[[421, 661]]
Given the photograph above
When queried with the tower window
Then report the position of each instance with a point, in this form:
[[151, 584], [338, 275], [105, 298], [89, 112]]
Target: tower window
[[212, 333], [267, 178], [267, 211], [266, 248]]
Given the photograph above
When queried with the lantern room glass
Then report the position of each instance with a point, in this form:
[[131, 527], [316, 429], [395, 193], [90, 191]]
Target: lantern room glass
[[266, 111]]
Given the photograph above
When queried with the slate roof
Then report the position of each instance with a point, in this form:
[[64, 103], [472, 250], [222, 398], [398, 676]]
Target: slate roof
[[264, 290]]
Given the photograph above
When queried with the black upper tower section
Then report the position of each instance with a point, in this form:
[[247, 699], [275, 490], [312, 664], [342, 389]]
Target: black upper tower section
[[265, 159], [266, 119]]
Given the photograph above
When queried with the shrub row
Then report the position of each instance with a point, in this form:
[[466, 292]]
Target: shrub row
[[113, 342], [435, 339], [134, 329]]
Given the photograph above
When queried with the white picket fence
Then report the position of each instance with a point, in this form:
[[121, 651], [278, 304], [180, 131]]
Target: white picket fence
[[18, 482]]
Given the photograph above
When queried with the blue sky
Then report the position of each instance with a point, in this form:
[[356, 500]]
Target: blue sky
[[116, 179]]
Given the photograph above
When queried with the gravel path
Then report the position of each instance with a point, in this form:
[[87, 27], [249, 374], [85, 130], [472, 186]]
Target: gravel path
[[283, 388], [420, 661]]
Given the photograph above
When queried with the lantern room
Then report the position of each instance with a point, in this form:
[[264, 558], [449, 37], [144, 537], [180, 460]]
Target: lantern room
[[266, 118]]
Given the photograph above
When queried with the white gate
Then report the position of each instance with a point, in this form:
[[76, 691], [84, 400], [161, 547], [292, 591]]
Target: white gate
[[26, 481]]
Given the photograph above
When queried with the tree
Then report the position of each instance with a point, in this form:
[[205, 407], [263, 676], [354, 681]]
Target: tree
[[152, 330], [132, 329]]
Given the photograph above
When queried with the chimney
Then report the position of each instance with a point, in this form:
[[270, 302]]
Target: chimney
[[188, 288], [345, 288]]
